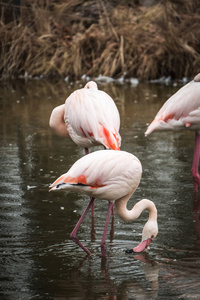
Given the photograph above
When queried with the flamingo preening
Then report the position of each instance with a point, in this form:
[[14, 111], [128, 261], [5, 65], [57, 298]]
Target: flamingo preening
[[90, 117], [182, 111], [113, 176]]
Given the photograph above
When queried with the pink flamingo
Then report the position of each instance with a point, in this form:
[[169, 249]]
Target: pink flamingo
[[90, 117], [182, 111], [113, 176]]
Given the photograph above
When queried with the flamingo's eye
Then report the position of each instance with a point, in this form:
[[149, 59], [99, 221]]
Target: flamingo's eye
[[58, 185]]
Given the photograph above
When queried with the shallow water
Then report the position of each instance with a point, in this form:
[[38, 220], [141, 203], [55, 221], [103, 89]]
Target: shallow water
[[38, 259]]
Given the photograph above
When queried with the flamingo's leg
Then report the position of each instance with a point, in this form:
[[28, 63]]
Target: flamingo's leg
[[92, 221], [195, 164], [112, 227], [92, 206], [113, 212], [74, 232], [103, 245]]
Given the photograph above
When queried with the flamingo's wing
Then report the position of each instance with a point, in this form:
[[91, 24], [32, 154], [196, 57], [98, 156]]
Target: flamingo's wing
[[180, 111], [92, 118], [193, 119]]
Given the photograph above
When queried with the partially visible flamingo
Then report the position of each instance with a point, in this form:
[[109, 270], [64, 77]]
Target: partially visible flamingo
[[90, 117], [182, 111], [113, 176]]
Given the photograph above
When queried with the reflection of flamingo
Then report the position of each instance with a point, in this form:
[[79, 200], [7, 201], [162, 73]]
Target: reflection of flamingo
[[113, 176], [196, 214], [142, 287], [90, 117], [182, 111]]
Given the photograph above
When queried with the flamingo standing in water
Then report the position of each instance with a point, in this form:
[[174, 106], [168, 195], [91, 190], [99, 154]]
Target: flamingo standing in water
[[182, 111], [90, 117], [113, 176]]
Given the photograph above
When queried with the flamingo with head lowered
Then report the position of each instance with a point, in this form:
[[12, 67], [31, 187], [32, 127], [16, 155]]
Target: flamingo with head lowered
[[90, 117], [112, 176], [182, 111]]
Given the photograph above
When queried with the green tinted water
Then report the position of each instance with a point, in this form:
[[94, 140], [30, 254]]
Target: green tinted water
[[38, 259]]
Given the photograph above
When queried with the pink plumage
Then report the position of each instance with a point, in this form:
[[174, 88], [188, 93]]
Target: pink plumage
[[90, 117], [182, 112]]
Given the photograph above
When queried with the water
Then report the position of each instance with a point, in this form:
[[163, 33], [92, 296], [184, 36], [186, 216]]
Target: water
[[38, 259]]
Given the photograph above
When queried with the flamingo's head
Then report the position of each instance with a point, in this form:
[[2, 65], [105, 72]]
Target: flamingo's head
[[91, 85], [149, 233]]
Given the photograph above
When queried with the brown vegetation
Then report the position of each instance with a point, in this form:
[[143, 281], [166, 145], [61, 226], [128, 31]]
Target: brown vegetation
[[112, 38]]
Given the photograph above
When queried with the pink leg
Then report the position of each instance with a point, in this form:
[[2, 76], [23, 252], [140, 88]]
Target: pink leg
[[103, 245], [92, 221], [74, 232], [92, 206], [113, 212], [93, 237], [112, 229], [195, 164]]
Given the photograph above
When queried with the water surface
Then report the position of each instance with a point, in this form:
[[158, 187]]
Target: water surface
[[38, 259]]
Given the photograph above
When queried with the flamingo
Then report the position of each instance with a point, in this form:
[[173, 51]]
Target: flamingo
[[113, 176], [182, 111], [90, 117]]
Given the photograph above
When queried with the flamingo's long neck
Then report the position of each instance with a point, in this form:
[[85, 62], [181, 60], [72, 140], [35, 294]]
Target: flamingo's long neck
[[135, 212]]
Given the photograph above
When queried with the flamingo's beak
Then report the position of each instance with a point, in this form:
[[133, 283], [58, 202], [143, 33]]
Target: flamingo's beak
[[52, 187], [141, 247]]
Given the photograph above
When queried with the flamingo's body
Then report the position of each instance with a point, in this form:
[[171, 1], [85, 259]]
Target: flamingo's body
[[182, 111], [113, 176], [90, 117]]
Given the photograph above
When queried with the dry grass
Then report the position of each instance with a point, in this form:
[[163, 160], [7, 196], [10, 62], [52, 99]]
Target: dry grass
[[75, 37]]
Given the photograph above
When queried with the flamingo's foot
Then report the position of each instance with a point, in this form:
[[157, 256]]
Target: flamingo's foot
[[76, 240], [141, 247]]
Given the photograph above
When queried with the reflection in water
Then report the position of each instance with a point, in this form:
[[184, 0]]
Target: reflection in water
[[142, 288], [38, 259], [142, 284], [196, 216], [14, 248], [107, 288]]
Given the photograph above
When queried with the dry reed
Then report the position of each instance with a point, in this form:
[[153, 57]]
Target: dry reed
[[75, 37]]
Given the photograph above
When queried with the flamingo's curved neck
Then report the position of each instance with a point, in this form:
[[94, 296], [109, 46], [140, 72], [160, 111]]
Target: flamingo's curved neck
[[135, 212]]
